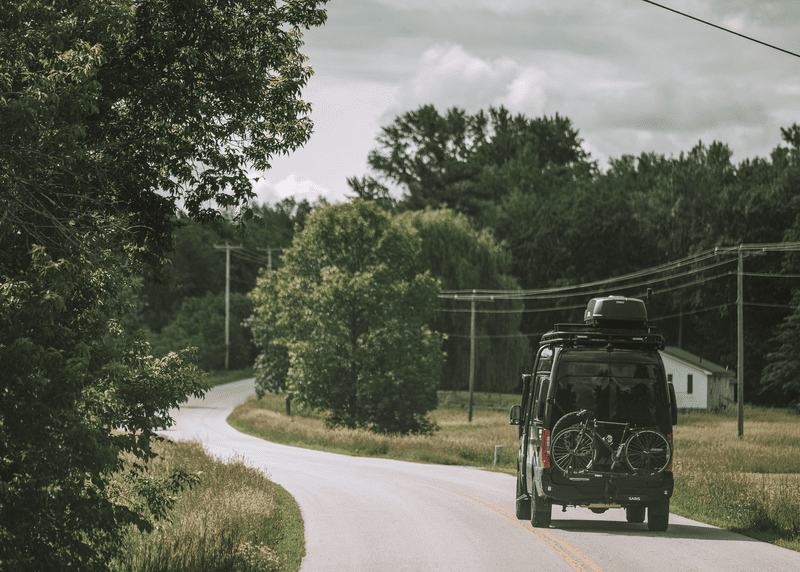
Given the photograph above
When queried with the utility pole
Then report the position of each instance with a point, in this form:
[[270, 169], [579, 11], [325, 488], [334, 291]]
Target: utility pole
[[474, 297], [752, 249], [740, 341], [269, 252], [227, 248]]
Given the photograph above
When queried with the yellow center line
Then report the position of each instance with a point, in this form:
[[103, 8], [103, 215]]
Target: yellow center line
[[558, 545]]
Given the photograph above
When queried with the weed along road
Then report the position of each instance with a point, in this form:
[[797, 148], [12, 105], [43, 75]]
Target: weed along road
[[365, 514]]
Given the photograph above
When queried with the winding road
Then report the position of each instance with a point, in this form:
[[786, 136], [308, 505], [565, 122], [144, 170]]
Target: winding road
[[372, 515]]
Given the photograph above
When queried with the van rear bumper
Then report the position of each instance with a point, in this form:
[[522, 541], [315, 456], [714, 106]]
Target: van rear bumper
[[606, 491]]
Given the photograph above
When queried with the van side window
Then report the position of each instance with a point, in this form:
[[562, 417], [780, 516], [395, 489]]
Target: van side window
[[534, 396], [541, 399]]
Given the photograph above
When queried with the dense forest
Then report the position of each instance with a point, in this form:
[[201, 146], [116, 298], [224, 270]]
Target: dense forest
[[522, 207]]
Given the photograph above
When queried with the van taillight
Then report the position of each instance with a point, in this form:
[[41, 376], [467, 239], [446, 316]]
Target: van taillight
[[545, 455], [672, 450]]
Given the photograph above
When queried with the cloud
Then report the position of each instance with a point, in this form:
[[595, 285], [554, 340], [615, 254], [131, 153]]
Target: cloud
[[632, 77], [265, 191], [449, 76], [306, 189], [291, 186]]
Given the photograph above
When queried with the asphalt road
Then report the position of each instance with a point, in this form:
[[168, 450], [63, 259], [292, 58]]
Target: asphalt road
[[381, 515]]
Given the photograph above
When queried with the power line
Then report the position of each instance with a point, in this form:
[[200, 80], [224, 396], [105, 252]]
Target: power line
[[608, 284], [256, 257], [560, 292], [578, 290], [721, 28], [618, 283]]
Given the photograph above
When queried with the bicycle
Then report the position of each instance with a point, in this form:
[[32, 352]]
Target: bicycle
[[579, 447]]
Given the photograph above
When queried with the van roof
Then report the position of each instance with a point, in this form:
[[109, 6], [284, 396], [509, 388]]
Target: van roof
[[579, 335]]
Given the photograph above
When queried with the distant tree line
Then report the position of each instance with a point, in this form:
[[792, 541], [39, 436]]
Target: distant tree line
[[185, 305], [529, 183], [506, 202]]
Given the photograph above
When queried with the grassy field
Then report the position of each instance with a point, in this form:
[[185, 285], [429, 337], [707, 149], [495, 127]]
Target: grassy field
[[233, 519], [750, 485], [458, 442]]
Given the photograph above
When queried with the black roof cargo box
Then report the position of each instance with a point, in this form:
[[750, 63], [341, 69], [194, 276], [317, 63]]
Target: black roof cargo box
[[616, 312]]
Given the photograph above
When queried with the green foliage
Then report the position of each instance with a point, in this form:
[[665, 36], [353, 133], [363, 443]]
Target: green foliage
[[120, 99], [369, 189], [196, 268], [351, 307], [782, 373], [71, 382], [565, 223], [200, 323], [272, 363], [470, 162], [111, 111], [463, 258]]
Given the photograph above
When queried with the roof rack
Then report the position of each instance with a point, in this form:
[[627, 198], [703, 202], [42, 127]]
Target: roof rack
[[581, 335]]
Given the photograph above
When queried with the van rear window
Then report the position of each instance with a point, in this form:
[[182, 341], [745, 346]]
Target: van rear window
[[624, 387]]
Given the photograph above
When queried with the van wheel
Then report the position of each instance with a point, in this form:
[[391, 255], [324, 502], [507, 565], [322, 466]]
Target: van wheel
[[523, 500], [658, 516], [541, 511], [635, 514]]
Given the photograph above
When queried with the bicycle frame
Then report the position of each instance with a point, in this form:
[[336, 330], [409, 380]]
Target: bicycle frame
[[614, 443]]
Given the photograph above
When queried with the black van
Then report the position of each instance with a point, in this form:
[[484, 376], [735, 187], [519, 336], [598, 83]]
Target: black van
[[596, 418]]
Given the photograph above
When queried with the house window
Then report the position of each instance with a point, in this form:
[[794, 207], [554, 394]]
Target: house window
[[689, 383]]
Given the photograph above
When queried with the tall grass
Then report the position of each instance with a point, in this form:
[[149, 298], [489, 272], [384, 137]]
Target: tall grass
[[234, 519], [458, 442], [751, 485]]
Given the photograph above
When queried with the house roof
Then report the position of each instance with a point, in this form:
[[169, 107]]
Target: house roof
[[697, 361]]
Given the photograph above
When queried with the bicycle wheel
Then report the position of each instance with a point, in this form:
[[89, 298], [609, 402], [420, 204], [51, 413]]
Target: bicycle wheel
[[647, 450], [572, 449]]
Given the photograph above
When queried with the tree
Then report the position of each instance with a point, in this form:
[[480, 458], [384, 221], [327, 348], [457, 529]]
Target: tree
[[111, 111], [200, 323], [350, 308], [196, 268], [470, 162], [369, 189], [71, 382], [462, 259], [780, 378]]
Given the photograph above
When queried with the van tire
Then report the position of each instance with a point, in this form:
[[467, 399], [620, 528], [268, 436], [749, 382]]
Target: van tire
[[658, 517], [635, 514], [523, 500], [541, 511]]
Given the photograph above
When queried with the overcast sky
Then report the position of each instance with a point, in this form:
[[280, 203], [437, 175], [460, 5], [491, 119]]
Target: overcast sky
[[632, 77]]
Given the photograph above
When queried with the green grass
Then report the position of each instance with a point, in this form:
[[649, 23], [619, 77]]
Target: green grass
[[458, 442], [234, 519], [749, 485]]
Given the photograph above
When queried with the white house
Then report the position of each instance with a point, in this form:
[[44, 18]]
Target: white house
[[699, 383]]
